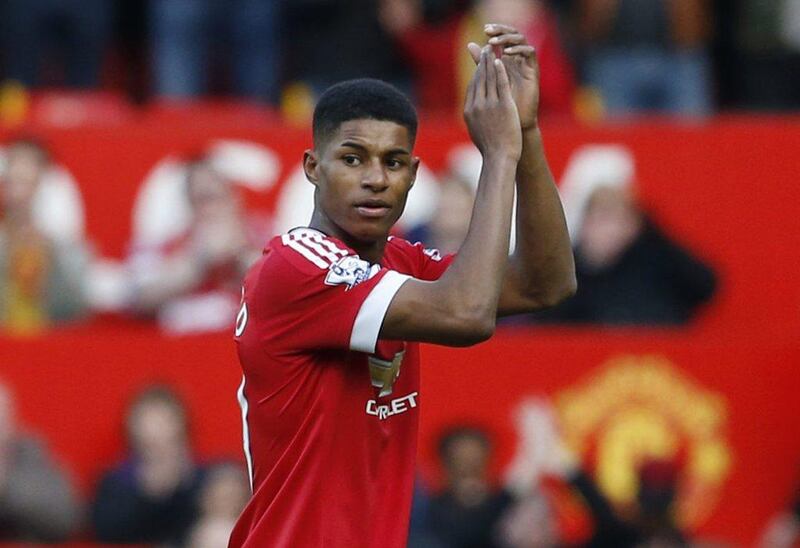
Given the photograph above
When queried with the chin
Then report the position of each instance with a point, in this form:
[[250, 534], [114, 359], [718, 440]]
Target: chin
[[369, 233]]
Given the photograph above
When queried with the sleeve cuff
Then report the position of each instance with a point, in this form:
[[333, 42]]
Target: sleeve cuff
[[369, 320]]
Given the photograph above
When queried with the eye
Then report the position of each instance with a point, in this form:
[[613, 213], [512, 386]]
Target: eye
[[351, 160], [394, 163]]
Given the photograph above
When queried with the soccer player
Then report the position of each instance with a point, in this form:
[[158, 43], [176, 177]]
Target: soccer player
[[331, 314]]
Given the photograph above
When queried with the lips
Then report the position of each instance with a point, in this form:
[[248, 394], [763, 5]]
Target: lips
[[373, 209]]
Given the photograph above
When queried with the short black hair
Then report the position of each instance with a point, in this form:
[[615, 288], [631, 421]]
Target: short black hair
[[363, 98]]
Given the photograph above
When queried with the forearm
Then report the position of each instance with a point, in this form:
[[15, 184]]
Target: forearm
[[474, 280], [460, 308], [542, 268]]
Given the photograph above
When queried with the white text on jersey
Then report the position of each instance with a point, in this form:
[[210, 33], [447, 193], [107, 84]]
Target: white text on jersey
[[394, 407]]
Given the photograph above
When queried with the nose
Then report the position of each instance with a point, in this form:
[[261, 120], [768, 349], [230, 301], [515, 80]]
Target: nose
[[374, 177]]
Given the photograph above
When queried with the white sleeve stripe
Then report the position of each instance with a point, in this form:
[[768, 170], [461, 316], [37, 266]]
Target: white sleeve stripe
[[307, 253], [245, 432], [369, 319], [322, 252], [330, 245]]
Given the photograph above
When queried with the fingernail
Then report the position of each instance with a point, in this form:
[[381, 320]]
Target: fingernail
[[494, 40]]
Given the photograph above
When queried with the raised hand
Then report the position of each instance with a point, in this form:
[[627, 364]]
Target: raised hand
[[489, 110], [519, 59]]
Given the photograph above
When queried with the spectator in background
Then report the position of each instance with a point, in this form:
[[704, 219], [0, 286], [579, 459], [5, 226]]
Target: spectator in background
[[37, 502], [335, 40], [75, 33], [468, 512], [187, 36], [41, 278], [629, 272], [194, 282], [543, 452], [223, 497], [446, 227], [648, 55], [434, 47], [153, 496], [766, 74], [783, 530]]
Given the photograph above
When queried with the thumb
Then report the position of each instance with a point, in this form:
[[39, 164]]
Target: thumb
[[474, 51]]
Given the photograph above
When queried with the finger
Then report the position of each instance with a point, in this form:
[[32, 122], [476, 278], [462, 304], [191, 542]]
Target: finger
[[507, 40], [491, 77], [480, 90], [474, 51], [493, 29], [503, 84], [470, 97], [523, 51]]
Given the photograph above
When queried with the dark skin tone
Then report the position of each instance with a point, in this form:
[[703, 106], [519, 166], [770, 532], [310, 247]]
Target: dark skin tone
[[363, 173]]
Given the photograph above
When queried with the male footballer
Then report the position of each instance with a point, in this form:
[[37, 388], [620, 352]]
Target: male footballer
[[332, 313]]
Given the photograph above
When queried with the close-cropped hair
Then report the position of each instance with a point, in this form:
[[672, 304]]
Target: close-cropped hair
[[363, 98]]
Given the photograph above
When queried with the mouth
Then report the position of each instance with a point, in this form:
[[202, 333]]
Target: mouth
[[373, 209]]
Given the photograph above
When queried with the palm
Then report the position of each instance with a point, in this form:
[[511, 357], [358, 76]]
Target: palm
[[522, 68], [523, 74]]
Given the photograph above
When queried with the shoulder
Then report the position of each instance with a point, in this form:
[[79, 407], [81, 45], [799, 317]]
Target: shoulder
[[416, 249], [308, 250], [308, 259]]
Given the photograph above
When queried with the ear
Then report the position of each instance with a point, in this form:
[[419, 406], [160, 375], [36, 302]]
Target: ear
[[311, 166], [414, 168]]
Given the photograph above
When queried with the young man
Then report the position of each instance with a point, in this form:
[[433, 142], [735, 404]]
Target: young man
[[331, 314]]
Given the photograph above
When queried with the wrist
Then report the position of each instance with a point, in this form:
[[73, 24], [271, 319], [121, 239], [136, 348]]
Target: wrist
[[501, 158], [531, 133]]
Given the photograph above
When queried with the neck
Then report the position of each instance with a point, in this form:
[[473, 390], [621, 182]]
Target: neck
[[371, 250]]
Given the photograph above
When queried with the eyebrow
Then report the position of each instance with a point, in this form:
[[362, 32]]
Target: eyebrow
[[352, 144]]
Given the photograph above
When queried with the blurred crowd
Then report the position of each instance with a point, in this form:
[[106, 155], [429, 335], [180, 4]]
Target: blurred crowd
[[598, 57], [159, 493], [194, 239]]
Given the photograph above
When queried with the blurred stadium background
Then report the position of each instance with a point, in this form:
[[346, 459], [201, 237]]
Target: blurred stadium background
[[149, 149]]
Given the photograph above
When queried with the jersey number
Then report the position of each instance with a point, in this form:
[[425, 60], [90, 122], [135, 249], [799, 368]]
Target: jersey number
[[241, 320]]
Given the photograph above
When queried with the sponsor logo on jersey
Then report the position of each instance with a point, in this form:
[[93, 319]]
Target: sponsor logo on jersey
[[350, 271], [394, 407]]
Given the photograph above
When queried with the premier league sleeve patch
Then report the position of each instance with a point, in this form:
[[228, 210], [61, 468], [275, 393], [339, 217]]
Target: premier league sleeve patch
[[350, 271]]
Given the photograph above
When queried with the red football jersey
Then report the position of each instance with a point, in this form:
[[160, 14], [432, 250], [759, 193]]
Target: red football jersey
[[330, 412]]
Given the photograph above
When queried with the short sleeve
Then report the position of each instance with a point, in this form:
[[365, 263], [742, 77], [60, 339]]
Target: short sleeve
[[434, 264], [429, 263], [322, 296]]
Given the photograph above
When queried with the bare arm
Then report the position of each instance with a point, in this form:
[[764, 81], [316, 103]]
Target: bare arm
[[460, 308], [541, 271]]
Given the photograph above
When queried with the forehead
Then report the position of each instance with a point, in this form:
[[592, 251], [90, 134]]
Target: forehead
[[374, 135]]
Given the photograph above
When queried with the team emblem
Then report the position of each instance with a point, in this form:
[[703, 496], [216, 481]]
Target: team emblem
[[639, 408], [384, 372]]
